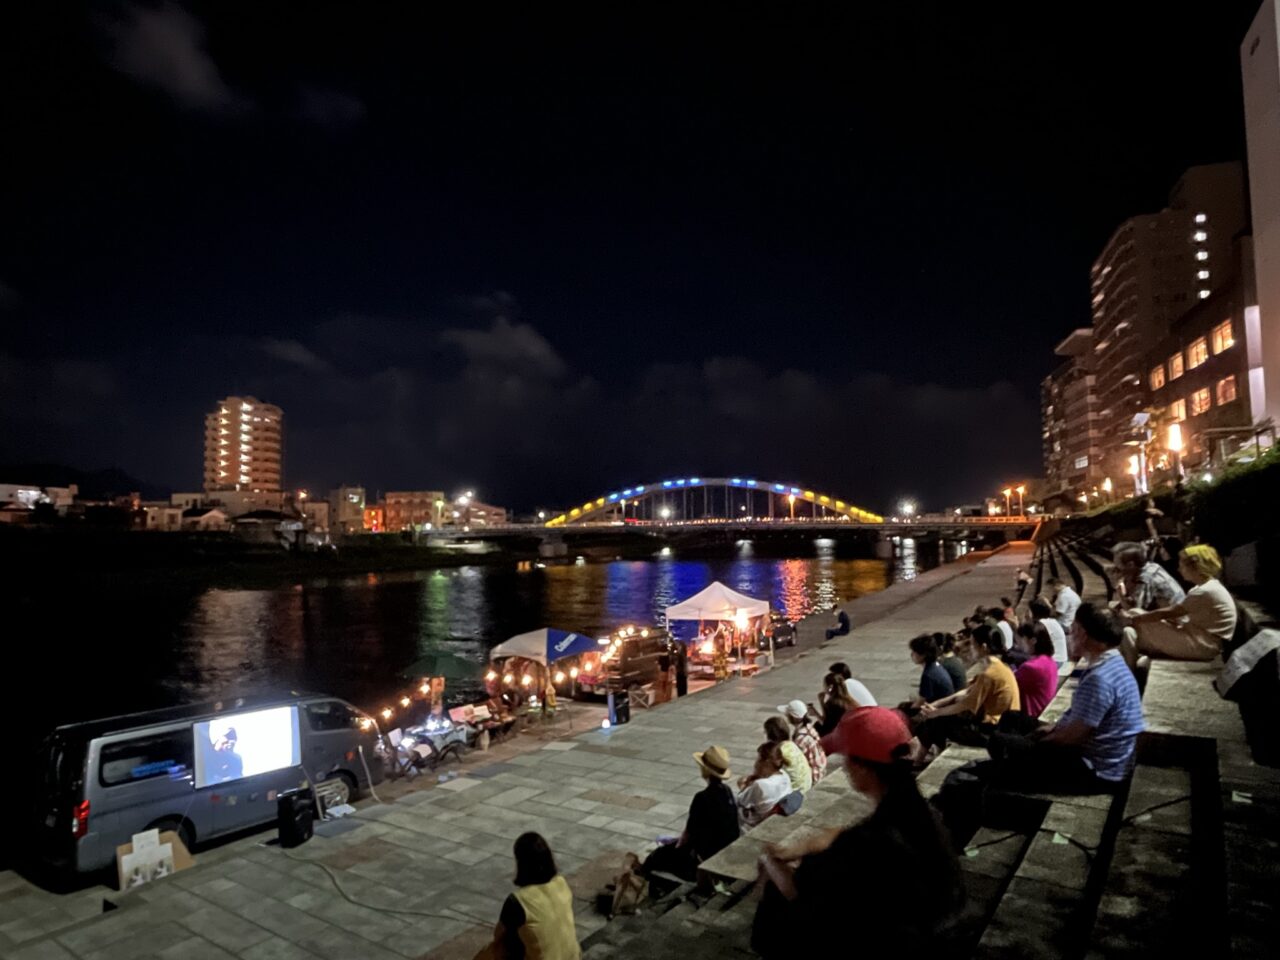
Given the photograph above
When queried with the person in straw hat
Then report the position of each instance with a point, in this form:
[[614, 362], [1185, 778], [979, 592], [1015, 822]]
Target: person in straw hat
[[712, 824]]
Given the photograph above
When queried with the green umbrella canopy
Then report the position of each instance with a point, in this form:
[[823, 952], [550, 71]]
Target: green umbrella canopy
[[443, 664]]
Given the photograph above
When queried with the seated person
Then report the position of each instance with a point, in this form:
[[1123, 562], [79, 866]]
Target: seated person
[[1065, 602], [951, 663], [764, 789], [712, 824], [1143, 585], [1037, 677], [794, 764], [856, 689], [892, 876], [935, 682], [833, 702], [970, 715], [1194, 629], [1042, 613], [537, 920], [1091, 748], [996, 618], [842, 625], [804, 736]]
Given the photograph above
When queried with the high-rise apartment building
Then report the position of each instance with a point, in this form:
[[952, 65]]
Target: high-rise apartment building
[[1069, 413], [1152, 270], [1260, 67], [1200, 373], [243, 446]]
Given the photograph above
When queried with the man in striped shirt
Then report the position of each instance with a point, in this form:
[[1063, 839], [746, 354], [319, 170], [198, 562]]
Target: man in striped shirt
[[1090, 749]]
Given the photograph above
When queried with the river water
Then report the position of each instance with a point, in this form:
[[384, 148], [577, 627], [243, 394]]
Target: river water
[[121, 650]]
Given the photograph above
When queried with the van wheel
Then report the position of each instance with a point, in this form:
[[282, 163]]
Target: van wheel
[[343, 786], [186, 833]]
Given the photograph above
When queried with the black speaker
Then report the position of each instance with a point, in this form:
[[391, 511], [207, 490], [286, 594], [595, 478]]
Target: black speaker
[[295, 817], [622, 708]]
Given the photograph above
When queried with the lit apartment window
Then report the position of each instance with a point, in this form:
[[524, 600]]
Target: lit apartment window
[[1157, 377], [1202, 254], [1202, 275], [1082, 462], [1200, 236], [1197, 353], [1226, 389], [1178, 410], [1175, 366], [1201, 401], [1204, 294], [1201, 218], [1223, 337]]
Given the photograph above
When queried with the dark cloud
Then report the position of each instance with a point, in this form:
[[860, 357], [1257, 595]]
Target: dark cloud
[[329, 108], [291, 351], [507, 346], [163, 47], [404, 403]]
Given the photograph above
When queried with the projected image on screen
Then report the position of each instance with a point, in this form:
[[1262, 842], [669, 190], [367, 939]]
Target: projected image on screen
[[245, 744]]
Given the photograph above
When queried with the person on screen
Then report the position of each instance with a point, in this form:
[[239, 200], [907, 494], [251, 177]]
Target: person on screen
[[226, 764]]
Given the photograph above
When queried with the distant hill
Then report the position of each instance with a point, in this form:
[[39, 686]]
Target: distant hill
[[93, 484]]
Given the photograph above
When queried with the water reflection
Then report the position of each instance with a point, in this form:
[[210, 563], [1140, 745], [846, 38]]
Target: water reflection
[[352, 636]]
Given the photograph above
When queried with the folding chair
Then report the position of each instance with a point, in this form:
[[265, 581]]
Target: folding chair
[[401, 759]]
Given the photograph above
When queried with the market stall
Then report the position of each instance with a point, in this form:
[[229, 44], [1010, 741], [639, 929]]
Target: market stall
[[737, 618]]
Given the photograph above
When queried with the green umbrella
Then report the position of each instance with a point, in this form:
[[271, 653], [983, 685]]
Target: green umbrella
[[442, 664]]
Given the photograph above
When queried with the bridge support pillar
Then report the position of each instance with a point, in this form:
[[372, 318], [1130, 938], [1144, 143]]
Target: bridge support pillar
[[552, 547], [884, 548]]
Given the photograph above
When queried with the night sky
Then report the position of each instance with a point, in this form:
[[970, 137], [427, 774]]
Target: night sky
[[545, 258]]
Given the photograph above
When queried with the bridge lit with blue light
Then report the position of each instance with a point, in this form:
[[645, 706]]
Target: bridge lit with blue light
[[712, 499]]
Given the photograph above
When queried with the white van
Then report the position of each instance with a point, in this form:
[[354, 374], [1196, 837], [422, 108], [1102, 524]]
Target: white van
[[202, 771]]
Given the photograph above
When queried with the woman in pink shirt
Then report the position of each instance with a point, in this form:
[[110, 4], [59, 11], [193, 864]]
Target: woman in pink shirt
[[1038, 677]]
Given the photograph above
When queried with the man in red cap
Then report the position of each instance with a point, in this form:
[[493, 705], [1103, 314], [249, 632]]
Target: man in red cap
[[893, 872]]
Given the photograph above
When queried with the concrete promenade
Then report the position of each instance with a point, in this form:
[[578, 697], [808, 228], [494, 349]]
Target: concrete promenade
[[425, 874]]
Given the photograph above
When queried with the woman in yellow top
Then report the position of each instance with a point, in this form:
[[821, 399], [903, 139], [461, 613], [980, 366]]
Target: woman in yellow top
[[794, 763], [537, 919]]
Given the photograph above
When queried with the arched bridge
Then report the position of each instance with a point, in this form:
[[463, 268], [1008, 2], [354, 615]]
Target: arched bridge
[[714, 499]]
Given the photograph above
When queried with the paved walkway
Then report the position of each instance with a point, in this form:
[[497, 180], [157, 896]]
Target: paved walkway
[[426, 874]]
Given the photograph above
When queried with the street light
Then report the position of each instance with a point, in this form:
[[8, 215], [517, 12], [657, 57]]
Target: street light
[[1020, 490], [665, 513], [791, 500], [1008, 492], [906, 508], [1106, 486], [1175, 446]]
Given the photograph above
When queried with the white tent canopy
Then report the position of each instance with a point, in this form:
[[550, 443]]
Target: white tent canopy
[[717, 602]]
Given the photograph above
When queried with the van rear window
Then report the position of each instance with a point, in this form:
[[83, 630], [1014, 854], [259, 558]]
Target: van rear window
[[142, 758]]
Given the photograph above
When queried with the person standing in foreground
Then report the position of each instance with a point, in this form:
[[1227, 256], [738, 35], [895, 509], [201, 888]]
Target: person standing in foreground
[[537, 919], [892, 875]]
